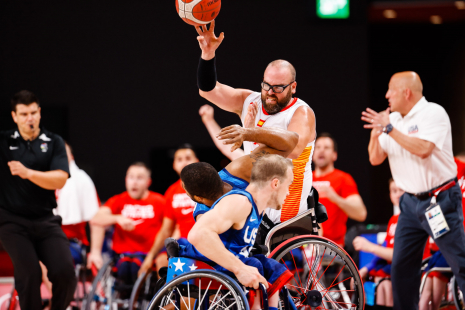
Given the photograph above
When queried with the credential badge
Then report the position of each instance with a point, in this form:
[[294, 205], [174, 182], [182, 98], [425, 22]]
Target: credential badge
[[44, 147]]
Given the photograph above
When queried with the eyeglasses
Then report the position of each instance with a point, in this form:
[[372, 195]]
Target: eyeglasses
[[276, 88]]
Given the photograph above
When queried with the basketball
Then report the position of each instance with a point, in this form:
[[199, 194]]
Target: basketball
[[198, 12]]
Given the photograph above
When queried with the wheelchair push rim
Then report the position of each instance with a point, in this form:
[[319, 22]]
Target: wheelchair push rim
[[200, 290], [325, 277]]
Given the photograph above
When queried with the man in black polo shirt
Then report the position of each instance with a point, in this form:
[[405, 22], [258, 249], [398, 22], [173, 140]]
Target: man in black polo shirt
[[33, 163]]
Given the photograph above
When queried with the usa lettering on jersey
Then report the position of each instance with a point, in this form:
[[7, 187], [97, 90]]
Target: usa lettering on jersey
[[182, 200], [249, 239], [138, 211]]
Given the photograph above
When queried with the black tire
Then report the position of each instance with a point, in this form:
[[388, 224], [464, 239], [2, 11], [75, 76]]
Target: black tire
[[458, 295], [310, 278], [142, 292], [178, 287]]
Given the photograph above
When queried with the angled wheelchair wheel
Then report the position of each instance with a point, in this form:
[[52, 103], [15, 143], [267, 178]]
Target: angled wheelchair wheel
[[200, 289], [457, 294], [325, 277], [143, 291], [101, 295]]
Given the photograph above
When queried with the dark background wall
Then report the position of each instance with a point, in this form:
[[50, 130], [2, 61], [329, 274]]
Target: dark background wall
[[118, 79]]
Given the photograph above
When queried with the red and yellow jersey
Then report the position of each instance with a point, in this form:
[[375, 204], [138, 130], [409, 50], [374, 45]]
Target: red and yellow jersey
[[148, 216], [391, 231], [344, 185], [180, 208], [296, 202]]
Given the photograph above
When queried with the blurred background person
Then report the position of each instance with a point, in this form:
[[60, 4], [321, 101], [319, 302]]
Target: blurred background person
[[178, 211], [337, 189], [77, 202], [380, 266], [137, 215], [206, 112]]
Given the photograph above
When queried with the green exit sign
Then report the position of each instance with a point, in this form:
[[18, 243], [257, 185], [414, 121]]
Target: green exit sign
[[332, 8]]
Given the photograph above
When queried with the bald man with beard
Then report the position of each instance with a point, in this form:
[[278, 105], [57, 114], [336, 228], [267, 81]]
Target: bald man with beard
[[415, 135], [274, 106]]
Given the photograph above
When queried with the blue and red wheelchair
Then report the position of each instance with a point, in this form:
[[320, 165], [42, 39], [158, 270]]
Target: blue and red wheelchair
[[324, 275]]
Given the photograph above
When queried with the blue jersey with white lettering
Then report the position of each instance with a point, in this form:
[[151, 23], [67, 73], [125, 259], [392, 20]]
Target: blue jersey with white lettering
[[239, 242], [235, 182]]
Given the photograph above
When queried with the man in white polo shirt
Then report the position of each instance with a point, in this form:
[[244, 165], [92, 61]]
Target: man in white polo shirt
[[417, 139]]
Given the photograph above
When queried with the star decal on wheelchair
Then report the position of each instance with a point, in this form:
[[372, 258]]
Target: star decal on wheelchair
[[192, 267], [179, 265]]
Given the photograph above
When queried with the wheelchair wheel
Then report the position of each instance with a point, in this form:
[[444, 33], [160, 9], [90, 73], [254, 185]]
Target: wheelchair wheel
[[101, 295], [143, 291], [457, 294], [324, 274], [202, 289]]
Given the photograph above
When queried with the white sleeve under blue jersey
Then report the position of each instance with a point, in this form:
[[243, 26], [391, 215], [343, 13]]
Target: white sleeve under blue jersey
[[235, 182]]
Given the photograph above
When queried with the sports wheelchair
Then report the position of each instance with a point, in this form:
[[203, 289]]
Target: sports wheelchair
[[108, 292], [325, 277], [453, 296]]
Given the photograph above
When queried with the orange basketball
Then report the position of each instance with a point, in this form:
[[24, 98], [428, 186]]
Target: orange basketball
[[198, 12]]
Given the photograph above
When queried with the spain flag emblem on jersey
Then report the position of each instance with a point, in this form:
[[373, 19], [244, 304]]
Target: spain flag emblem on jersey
[[260, 123]]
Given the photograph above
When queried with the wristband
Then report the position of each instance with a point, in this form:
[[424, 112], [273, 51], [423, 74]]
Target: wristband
[[206, 74]]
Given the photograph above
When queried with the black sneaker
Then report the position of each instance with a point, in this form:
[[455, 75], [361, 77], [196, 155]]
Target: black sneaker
[[172, 247]]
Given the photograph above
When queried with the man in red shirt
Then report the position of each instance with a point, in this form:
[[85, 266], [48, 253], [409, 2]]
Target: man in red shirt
[[337, 189], [137, 215], [179, 209]]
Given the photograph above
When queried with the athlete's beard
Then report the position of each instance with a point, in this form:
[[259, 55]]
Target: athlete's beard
[[280, 104]]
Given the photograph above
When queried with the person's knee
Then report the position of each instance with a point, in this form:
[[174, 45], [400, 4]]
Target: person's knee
[[61, 273]]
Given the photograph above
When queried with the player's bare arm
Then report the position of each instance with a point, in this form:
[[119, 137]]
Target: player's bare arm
[[230, 213], [104, 217], [273, 141], [207, 112], [225, 97], [303, 123], [377, 121], [352, 205], [166, 231]]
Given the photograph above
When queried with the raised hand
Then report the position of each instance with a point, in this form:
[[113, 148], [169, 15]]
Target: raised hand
[[206, 112], [234, 135], [252, 110], [376, 121], [208, 41]]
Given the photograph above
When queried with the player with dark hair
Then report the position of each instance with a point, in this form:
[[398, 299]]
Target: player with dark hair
[[178, 211]]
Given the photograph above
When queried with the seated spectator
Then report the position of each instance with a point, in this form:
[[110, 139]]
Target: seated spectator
[[137, 215], [178, 211], [436, 283], [337, 189], [380, 266]]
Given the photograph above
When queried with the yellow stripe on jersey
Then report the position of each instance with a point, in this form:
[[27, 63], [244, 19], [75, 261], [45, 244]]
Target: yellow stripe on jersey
[[292, 204]]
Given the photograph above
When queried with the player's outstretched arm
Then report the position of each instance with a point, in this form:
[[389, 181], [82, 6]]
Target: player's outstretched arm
[[206, 112], [273, 141], [230, 213], [105, 217], [225, 97]]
